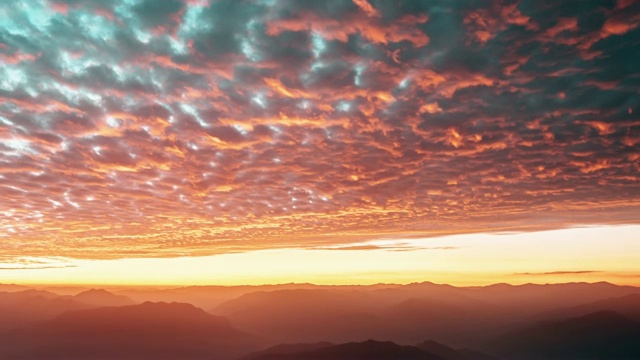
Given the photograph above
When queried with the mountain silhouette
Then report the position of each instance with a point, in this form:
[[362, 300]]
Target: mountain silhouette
[[599, 335], [12, 287], [100, 297], [448, 353], [559, 321], [628, 305], [21, 308], [305, 315], [286, 349], [205, 297], [452, 319], [355, 315], [460, 316], [17, 296], [145, 331], [530, 299], [366, 350]]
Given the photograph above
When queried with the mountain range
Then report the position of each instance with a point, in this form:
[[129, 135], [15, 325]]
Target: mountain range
[[145, 331], [385, 321]]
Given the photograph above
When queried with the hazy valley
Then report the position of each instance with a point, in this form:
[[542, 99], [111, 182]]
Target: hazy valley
[[303, 321]]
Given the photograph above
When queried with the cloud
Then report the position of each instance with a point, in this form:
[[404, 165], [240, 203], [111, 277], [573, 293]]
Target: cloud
[[36, 267], [365, 6], [206, 127], [578, 272], [390, 247], [8, 262]]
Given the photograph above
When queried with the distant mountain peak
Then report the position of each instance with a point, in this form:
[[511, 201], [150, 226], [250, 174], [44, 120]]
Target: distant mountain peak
[[101, 297], [145, 313], [95, 292], [169, 304], [604, 283], [34, 292], [184, 308], [431, 343]]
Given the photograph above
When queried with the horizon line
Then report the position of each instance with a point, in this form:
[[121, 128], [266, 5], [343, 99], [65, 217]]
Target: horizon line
[[53, 285]]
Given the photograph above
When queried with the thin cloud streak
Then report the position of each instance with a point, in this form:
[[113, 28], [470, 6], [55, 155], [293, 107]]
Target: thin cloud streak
[[384, 247], [37, 267], [577, 272]]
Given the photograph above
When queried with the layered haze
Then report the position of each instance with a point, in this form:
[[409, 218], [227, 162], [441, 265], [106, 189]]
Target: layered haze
[[304, 321]]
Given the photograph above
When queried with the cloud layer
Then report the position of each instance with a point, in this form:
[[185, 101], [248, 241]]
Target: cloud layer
[[145, 128]]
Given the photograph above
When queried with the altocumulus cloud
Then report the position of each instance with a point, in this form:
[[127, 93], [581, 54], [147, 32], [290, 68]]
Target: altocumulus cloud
[[163, 128]]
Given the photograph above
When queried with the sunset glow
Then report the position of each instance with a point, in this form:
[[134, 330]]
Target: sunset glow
[[249, 142], [581, 254]]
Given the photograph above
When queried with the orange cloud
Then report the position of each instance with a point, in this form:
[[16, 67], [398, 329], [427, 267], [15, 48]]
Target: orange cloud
[[367, 8]]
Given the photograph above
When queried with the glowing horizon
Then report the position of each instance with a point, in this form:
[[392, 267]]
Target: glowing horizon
[[157, 135], [516, 258]]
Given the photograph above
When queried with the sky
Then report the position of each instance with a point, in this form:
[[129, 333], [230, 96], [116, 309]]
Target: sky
[[318, 141]]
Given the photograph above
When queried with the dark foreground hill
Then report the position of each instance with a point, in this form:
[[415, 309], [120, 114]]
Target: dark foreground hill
[[366, 350], [600, 335], [286, 349], [147, 331], [448, 353]]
